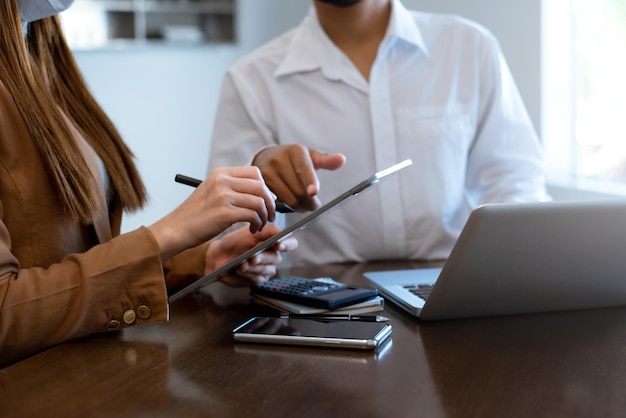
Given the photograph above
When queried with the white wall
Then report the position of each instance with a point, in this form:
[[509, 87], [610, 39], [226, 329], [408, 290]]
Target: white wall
[[163, 100]]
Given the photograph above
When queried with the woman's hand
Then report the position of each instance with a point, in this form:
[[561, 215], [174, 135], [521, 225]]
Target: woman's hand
[[258, 269], [225, 197]]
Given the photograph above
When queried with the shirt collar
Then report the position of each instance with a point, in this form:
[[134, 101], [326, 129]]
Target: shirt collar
[[403, 26], [311, 49]]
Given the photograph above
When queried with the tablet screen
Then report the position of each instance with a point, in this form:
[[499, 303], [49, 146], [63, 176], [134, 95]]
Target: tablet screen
[[353, 191]]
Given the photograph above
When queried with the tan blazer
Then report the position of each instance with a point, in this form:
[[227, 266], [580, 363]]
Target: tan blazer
[[60, 279]]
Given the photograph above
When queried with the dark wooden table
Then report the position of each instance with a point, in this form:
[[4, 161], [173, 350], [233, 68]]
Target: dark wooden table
[[549, 365]]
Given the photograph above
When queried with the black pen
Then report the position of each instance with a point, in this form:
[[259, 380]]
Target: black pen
[[347, 317], [281, 207]]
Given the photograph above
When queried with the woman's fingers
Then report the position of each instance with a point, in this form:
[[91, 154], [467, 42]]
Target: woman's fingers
[[242, 191]]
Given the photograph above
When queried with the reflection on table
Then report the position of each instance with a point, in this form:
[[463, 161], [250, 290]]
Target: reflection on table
[[557, 365]]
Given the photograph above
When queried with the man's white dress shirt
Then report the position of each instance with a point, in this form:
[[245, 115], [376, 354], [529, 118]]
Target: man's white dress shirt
[[440, 93]]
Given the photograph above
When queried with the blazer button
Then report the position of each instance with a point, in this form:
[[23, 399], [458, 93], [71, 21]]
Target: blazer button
[[144, 312], [113, 324], [129, 316]]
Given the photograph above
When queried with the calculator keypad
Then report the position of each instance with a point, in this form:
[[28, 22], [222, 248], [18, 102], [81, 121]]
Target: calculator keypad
[[302, 286], [321, 292]]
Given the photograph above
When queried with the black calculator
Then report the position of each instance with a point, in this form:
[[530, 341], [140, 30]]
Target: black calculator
[[321, 292]]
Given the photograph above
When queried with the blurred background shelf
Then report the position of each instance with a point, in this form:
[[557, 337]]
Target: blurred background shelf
[[97, 24]]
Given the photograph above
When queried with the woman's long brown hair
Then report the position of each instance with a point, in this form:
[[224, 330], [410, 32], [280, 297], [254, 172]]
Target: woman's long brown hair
[[47, 86]]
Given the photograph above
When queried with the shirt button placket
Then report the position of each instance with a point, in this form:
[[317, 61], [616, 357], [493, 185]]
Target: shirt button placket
[[386, 153]]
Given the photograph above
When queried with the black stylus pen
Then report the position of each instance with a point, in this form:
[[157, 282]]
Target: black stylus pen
[[347, 317], [190, 181]]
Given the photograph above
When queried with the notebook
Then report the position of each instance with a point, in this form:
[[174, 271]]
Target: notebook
[[518, 259], [300, 224], [376, 304]]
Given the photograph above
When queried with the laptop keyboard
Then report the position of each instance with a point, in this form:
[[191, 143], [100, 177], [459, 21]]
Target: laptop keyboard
[[422, 290]]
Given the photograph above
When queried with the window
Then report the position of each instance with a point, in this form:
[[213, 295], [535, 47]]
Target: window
[[584, 92]]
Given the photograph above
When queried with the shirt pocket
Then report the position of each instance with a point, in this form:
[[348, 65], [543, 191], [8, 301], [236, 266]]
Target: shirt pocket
[[438, 140], [443, 133]]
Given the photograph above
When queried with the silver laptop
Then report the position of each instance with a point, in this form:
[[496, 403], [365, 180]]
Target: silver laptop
[[521, 258], [300, 224]]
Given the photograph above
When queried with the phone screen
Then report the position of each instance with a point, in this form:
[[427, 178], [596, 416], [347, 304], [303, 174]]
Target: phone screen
[[350, 334]]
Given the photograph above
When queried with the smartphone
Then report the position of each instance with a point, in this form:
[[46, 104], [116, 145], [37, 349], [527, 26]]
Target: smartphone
[[322, 292], [313, 332]]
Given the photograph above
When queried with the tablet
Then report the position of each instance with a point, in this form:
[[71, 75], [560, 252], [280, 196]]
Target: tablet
[[353, 191]]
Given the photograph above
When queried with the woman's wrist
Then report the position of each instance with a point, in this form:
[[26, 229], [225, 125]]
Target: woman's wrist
[[165, 238]]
